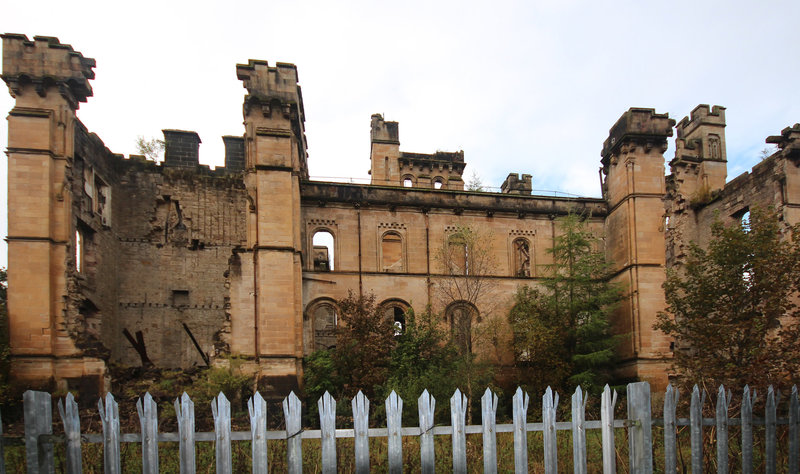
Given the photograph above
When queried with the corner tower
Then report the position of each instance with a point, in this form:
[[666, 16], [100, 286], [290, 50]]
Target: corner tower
[[700, 164], [275, 163], [633, 165], [48, 80]]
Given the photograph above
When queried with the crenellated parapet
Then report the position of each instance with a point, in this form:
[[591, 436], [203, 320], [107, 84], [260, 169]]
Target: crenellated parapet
[[45, 62], [788, 142], [637, 127]]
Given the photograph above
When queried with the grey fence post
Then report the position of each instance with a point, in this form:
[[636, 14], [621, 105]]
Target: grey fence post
[[458, 413], [549, 404], [68, 410], [221, 409], [794, 445], [38, 421], [520, 402], [2, 451], [722, 429], [607, 404], [394, 428], [360, 404], [426, 406], [109, 415], [640, 445], [292, 410], [747, 429], [327, 423], [148, 419], [488, 420], [670, 433], [579, 431], [696, 427], [257, 408], [185, 413], [770, 422]]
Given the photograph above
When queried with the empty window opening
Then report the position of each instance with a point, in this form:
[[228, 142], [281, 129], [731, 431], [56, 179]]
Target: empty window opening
[[408, 182], [460, 316], [438, 183], [745, 221], [392, 252], [395, 311], [78, 251], [522, 258], [323, 251]]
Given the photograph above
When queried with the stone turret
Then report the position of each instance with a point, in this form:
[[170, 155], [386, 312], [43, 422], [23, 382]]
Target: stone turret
[[384, 151], [270, 327], [700, 165], [633, 165], [48, 80], [516, 185]]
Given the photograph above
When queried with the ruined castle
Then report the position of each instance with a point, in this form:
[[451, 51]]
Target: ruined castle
[[115, 259]]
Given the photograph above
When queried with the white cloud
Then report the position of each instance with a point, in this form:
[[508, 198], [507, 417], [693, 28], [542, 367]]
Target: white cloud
[[520, 86]]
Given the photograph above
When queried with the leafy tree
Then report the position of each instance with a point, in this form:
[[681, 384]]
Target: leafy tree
[[561, 331], [151, 149], [731, 307], [475, 183], [361, 358]]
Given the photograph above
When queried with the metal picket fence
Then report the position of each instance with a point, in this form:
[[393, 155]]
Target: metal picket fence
[[40, 440]]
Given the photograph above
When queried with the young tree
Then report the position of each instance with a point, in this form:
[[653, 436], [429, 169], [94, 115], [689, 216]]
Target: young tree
[[731, 307], [561, 331], [152, 149], [361, 358]]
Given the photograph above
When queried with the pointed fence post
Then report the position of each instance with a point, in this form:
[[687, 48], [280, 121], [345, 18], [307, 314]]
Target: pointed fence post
[[747, 429], [68, 409], [696, 427], [38, 409], [257, 408], [579, 431], [607, 404], [770, 422], [426, 406], [2, 451], [327, 423], [488, 419], [292, 410], [360, 405], [458, 413], [221, 409], [794, 445], [549, 404], [723, 400], [670, 432], [520, 403], [109, 415], [184, 409], [148, 419], [394, 428], [640, 438]]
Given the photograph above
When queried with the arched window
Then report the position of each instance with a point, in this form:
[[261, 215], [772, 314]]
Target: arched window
[[522, 257], [408, 182], [322, 252], [461, 315], [395, 310], [321, 319], [392, 252], [438, 183]]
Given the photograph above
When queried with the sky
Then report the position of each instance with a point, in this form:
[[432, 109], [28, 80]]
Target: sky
[[521, 86]]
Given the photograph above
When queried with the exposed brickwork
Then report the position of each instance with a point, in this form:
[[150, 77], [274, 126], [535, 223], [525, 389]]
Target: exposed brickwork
[[181, 148]]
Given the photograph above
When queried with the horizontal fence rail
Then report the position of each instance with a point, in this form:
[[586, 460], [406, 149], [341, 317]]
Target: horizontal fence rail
[[39, 438]]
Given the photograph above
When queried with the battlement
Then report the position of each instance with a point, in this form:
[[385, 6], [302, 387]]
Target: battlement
[[267, 83], [439, 156], [384, 132], [637, 124], [516, 185], [788, 141], [46, 62], [701, 115]]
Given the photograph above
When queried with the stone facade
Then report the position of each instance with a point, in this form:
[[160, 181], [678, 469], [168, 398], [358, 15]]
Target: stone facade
[[115, 259]]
